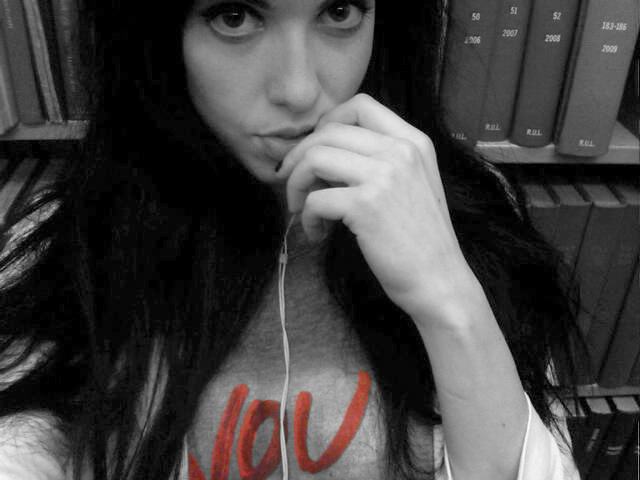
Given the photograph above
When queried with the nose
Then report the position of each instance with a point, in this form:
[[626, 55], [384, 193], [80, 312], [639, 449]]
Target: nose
[[294, 82]]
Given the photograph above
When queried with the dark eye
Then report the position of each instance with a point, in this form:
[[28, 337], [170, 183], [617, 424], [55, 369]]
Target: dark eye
[[343, 15], [233, 20]]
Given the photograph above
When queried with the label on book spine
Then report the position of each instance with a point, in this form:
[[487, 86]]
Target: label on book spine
[[470, 34], [548, 44], [504, 70], [602, 55]]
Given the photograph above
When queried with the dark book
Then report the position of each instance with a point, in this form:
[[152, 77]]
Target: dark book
[[576, 423], [601, 55], [11, 190], [628, 468], [470, 33], [504, 70], [547, 50], [573, 212], [543, 209], [625, 344], [14, 28], [599, 242], [599, 415], [8, 107], [629, 114], [48, 24], [43, 56], [634, 376], [65, 15], [625, 415]]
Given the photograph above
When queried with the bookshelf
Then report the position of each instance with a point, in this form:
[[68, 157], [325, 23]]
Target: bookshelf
[[50, 140], [624, 149], [70, 130]]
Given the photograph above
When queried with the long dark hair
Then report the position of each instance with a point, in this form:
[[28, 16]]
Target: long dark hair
[[142, 256]]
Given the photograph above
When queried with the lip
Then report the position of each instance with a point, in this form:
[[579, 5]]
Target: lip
[[290, 132], [277, 147]]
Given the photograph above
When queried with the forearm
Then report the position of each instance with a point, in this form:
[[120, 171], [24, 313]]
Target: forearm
[[483, 407]]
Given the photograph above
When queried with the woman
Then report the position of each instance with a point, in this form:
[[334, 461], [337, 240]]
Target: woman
[[143, 326]]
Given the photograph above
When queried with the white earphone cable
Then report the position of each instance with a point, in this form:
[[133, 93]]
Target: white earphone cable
[[282, 266]]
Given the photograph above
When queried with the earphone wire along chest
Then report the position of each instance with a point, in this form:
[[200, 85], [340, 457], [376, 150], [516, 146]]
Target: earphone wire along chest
[[282, 266]]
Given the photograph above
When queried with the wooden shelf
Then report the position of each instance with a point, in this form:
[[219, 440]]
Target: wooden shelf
[[596, 390], [624, 149], [70, 130]]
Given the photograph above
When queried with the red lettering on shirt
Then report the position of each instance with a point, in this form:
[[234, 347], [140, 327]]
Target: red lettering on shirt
[[260, 411], [343, 436], [224, 436]]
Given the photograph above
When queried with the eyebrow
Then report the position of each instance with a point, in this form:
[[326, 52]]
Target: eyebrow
[[266, 5]]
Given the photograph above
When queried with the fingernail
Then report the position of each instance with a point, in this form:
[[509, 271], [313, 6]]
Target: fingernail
[[278, 165]]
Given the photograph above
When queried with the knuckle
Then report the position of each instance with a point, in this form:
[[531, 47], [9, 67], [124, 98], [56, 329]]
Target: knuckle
[[426, 144], [369, 197], [362, 98], [407, 152]]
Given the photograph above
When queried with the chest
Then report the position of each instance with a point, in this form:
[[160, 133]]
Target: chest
[[334, 424]]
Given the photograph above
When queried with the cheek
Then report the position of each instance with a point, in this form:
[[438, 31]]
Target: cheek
[[213, 83], [345, 70]]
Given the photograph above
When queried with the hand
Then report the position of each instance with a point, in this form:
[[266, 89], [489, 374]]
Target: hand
[[367, 167]]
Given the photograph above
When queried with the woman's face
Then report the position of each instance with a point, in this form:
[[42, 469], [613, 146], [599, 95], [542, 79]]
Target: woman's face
[[262, 72]]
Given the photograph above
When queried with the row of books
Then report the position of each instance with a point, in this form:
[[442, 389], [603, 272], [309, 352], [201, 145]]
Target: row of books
[[538, 72], [595, 226], [39, 63], [604, 434]]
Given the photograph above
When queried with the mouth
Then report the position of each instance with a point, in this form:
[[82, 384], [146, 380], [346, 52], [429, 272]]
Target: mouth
[[277, 147], [278, 143]]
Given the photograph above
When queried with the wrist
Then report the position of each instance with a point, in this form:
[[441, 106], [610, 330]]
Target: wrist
[[460, 304]]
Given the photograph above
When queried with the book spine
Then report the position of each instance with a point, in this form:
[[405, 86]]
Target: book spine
[[598, 244], [576, 424], [542, 208], [470, 34], [8, 107], [547, 48], [14, 186], [629, 114], [630, 460], [12, 23], [65, 15], [41, 56], [625, 345], [603, 52], [634, 376], [504, 70], [625, 415], [599, 415], [573, 213], [48, 24]]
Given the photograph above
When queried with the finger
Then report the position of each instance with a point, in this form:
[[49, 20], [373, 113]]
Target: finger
[[347, 137], [321, 207], [326, 165], [364, 111]]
